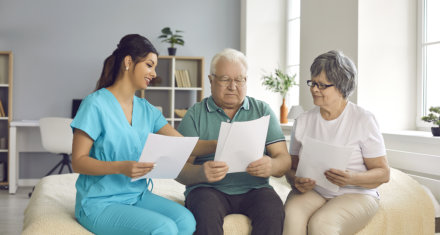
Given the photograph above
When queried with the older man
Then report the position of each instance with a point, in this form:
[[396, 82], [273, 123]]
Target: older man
[[211, 192]]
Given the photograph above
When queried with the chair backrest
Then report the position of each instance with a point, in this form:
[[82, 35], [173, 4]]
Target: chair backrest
[[56, 134]]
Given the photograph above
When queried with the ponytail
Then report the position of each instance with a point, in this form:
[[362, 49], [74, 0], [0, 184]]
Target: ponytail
[[107, 75]]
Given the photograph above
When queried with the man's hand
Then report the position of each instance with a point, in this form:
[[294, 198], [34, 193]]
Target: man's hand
[[214, 171], [261, 167]]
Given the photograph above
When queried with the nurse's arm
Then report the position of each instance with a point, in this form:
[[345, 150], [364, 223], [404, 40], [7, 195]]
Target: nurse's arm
[[210, 171], [202, 147], [84, 164]]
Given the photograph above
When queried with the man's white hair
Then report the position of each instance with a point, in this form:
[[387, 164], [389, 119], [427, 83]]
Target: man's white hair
[[230, 55]]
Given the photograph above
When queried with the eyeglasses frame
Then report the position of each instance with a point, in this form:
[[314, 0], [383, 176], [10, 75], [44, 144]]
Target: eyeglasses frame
[[320, 86], [230, 80]]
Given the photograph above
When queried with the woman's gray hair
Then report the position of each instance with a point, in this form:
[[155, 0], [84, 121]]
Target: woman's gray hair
[[230, 55], [340, 71]]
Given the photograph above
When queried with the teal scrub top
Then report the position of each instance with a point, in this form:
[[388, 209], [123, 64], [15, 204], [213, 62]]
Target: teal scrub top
[[204, 119], [102, 118]]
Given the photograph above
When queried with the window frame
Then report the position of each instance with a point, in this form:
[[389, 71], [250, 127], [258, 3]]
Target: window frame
[[290, 20], [421, 66]]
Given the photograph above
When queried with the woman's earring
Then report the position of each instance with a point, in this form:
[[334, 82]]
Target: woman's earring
[[126, 68]]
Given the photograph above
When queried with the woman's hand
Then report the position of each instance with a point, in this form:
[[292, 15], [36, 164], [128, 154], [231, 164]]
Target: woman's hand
[[261, 167], [304, 184], [135, 169], [339, 177], [214, 170]]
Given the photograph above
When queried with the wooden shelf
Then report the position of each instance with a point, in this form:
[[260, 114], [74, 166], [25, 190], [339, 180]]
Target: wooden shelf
[[165, 93], [6, 76]]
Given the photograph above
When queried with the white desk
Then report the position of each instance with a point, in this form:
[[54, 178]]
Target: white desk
[[13, 150]]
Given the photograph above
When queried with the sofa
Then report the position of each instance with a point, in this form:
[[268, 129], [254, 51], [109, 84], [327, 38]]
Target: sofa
[[405, 207]]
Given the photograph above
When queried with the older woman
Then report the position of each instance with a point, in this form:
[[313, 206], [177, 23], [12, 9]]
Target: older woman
[[311, 209]]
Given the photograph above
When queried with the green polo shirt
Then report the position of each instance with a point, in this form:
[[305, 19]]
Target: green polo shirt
[[203, 119]]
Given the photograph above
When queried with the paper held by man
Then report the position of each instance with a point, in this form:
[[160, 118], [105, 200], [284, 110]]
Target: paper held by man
[[169, 161], [240, 143], [316, 157]]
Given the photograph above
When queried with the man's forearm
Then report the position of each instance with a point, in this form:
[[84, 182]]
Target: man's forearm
[[280, 164]]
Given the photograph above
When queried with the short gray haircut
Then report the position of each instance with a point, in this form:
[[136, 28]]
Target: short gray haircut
[[340, 71], [230, 55]]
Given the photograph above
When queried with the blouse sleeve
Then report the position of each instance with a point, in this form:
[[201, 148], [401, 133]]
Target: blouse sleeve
[[295, 145], [372, 144]]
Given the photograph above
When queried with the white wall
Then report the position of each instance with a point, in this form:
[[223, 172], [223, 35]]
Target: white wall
[[263, 42], [387, 61], [380, 37], [326, 25], [59, 46]]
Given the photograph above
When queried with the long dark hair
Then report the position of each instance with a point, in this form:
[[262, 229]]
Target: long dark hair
[[133, 45]]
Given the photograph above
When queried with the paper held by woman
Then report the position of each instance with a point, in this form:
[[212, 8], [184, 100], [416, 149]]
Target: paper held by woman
[[316, 157]]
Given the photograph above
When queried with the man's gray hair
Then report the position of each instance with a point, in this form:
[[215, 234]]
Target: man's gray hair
[[340, 71], [230, 55]]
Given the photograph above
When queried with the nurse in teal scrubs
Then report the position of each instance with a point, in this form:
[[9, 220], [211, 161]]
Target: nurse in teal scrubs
[[110, 129]]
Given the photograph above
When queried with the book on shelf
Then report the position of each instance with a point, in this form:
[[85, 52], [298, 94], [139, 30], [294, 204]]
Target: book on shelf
[[182, 78], [178, 78], [186, 76], [2, 110]]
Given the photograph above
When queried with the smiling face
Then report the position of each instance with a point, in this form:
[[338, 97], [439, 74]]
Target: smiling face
[[144, 71], [325, 98], [232, 95]]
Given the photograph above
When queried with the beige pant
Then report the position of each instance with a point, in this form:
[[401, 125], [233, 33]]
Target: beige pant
[[310, 213]]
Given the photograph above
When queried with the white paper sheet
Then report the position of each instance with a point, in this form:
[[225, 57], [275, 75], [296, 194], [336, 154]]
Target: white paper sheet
[[316, 157], [240, 143], [168, 152]]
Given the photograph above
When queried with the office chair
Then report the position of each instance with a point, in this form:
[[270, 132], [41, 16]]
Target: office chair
[[56, 137]]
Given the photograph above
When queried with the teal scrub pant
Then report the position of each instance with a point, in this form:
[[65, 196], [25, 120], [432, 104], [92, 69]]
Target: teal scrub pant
[[152, 214]]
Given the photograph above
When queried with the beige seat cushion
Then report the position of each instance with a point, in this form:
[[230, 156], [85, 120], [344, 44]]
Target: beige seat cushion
[[405, 207]]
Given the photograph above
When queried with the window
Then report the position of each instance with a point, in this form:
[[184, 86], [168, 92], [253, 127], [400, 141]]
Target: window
[[293, 36], [429, 56]]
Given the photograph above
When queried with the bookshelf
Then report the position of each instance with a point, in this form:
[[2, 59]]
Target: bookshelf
[[165, 91], [6, 65]]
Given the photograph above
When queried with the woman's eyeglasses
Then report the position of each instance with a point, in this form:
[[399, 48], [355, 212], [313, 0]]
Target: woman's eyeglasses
[[320, 86]]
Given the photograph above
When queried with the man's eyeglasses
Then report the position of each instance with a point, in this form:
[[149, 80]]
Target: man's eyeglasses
[[320, 86], [224, 81]]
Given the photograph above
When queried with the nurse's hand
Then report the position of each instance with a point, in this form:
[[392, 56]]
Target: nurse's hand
[[214, 171], [135, 169]]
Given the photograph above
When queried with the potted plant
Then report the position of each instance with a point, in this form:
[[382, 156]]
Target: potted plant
[[434, 117], [172, 38], [280, 82]]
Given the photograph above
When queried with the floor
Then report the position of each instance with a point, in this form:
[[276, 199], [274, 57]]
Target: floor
[[12, 207]]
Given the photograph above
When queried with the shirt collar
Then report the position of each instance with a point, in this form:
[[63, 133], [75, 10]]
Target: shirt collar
[[212, 107]]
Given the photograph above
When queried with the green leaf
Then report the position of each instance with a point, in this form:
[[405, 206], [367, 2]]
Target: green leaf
[[433, 116], [172, 38], [167, 30], [279, 82]]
